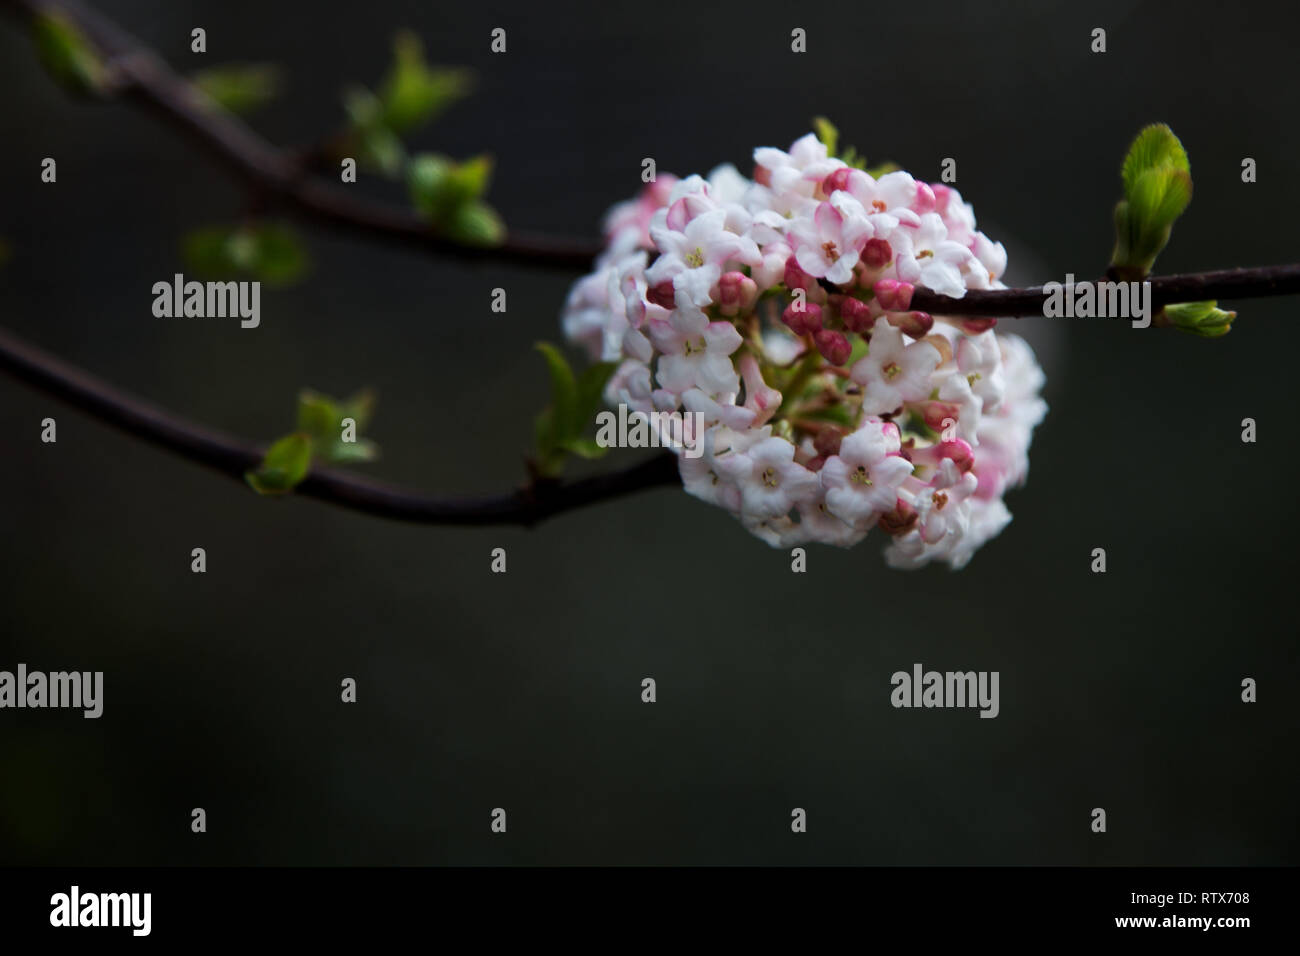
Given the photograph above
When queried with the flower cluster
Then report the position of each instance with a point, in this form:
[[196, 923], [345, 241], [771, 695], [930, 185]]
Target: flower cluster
[[778, 309]]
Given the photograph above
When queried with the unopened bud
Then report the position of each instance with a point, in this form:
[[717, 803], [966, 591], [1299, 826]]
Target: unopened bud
[[803, 318], [893, 296], [834, 346], [898, 521]]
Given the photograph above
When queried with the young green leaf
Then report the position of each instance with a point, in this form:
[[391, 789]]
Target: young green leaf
[[564, 391], [267, 252], [1157, 189], [413, 93], [1205, 319], [1156, 147], [476, 223], [585, 448], [67, 54], [285, 464], [591, 391], [372, 139], [239, 88]]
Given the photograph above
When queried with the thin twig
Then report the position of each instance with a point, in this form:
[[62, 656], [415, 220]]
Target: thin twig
[[137, 73], [233, 457]]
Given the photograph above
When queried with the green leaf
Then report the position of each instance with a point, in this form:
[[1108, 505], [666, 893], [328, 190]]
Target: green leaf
[[322, 417], [591, 390], [1205, 319], [360, 408], [1156, 147], [476, 223], [267, 252], [67, 54], [414, 93], [1157, 189], [285, 464], [564, 392], [875, 172], [585, 448], [827, 133], [374, 142], [318, 415], [426, 178], [447, 193], [352, 452], [239, 87]]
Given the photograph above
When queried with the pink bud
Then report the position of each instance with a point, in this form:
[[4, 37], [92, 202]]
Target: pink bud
[[662, 294], [834, 346], [925, 200], [795, 277], [899, 521], [915, 324], [803, 318], [941, 196], [893, 296], [975, 326], [856, 314], [827, 442], [877, 254], [838, 180], [961, 453], [736, 291], [936, 413]]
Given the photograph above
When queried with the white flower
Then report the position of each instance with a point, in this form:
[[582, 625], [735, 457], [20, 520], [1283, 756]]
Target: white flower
[[863, 479], [891, 372], [771, 481], [829, 246], [696, 352]]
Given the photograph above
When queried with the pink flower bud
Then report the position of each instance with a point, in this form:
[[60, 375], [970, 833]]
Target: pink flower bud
[[803, 318], [736, 291], [936, 413], [877, 254], [973, 326], [925, 199], [796, 278], [961, 453], [915, 324], [827, 442], [838, 180], [834, 346], [856, 314], [893, 296], [662, 294], [899, 521], [941, 196]]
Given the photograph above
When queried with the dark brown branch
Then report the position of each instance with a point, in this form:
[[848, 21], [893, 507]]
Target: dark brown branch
[[232, 457], [1165, 290], [276, 175]]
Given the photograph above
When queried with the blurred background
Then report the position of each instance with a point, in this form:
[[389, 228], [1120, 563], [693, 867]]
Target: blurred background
[[522, 690]]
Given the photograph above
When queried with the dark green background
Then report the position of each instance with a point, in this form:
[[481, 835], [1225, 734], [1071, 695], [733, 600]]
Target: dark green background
[[522, 691]]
